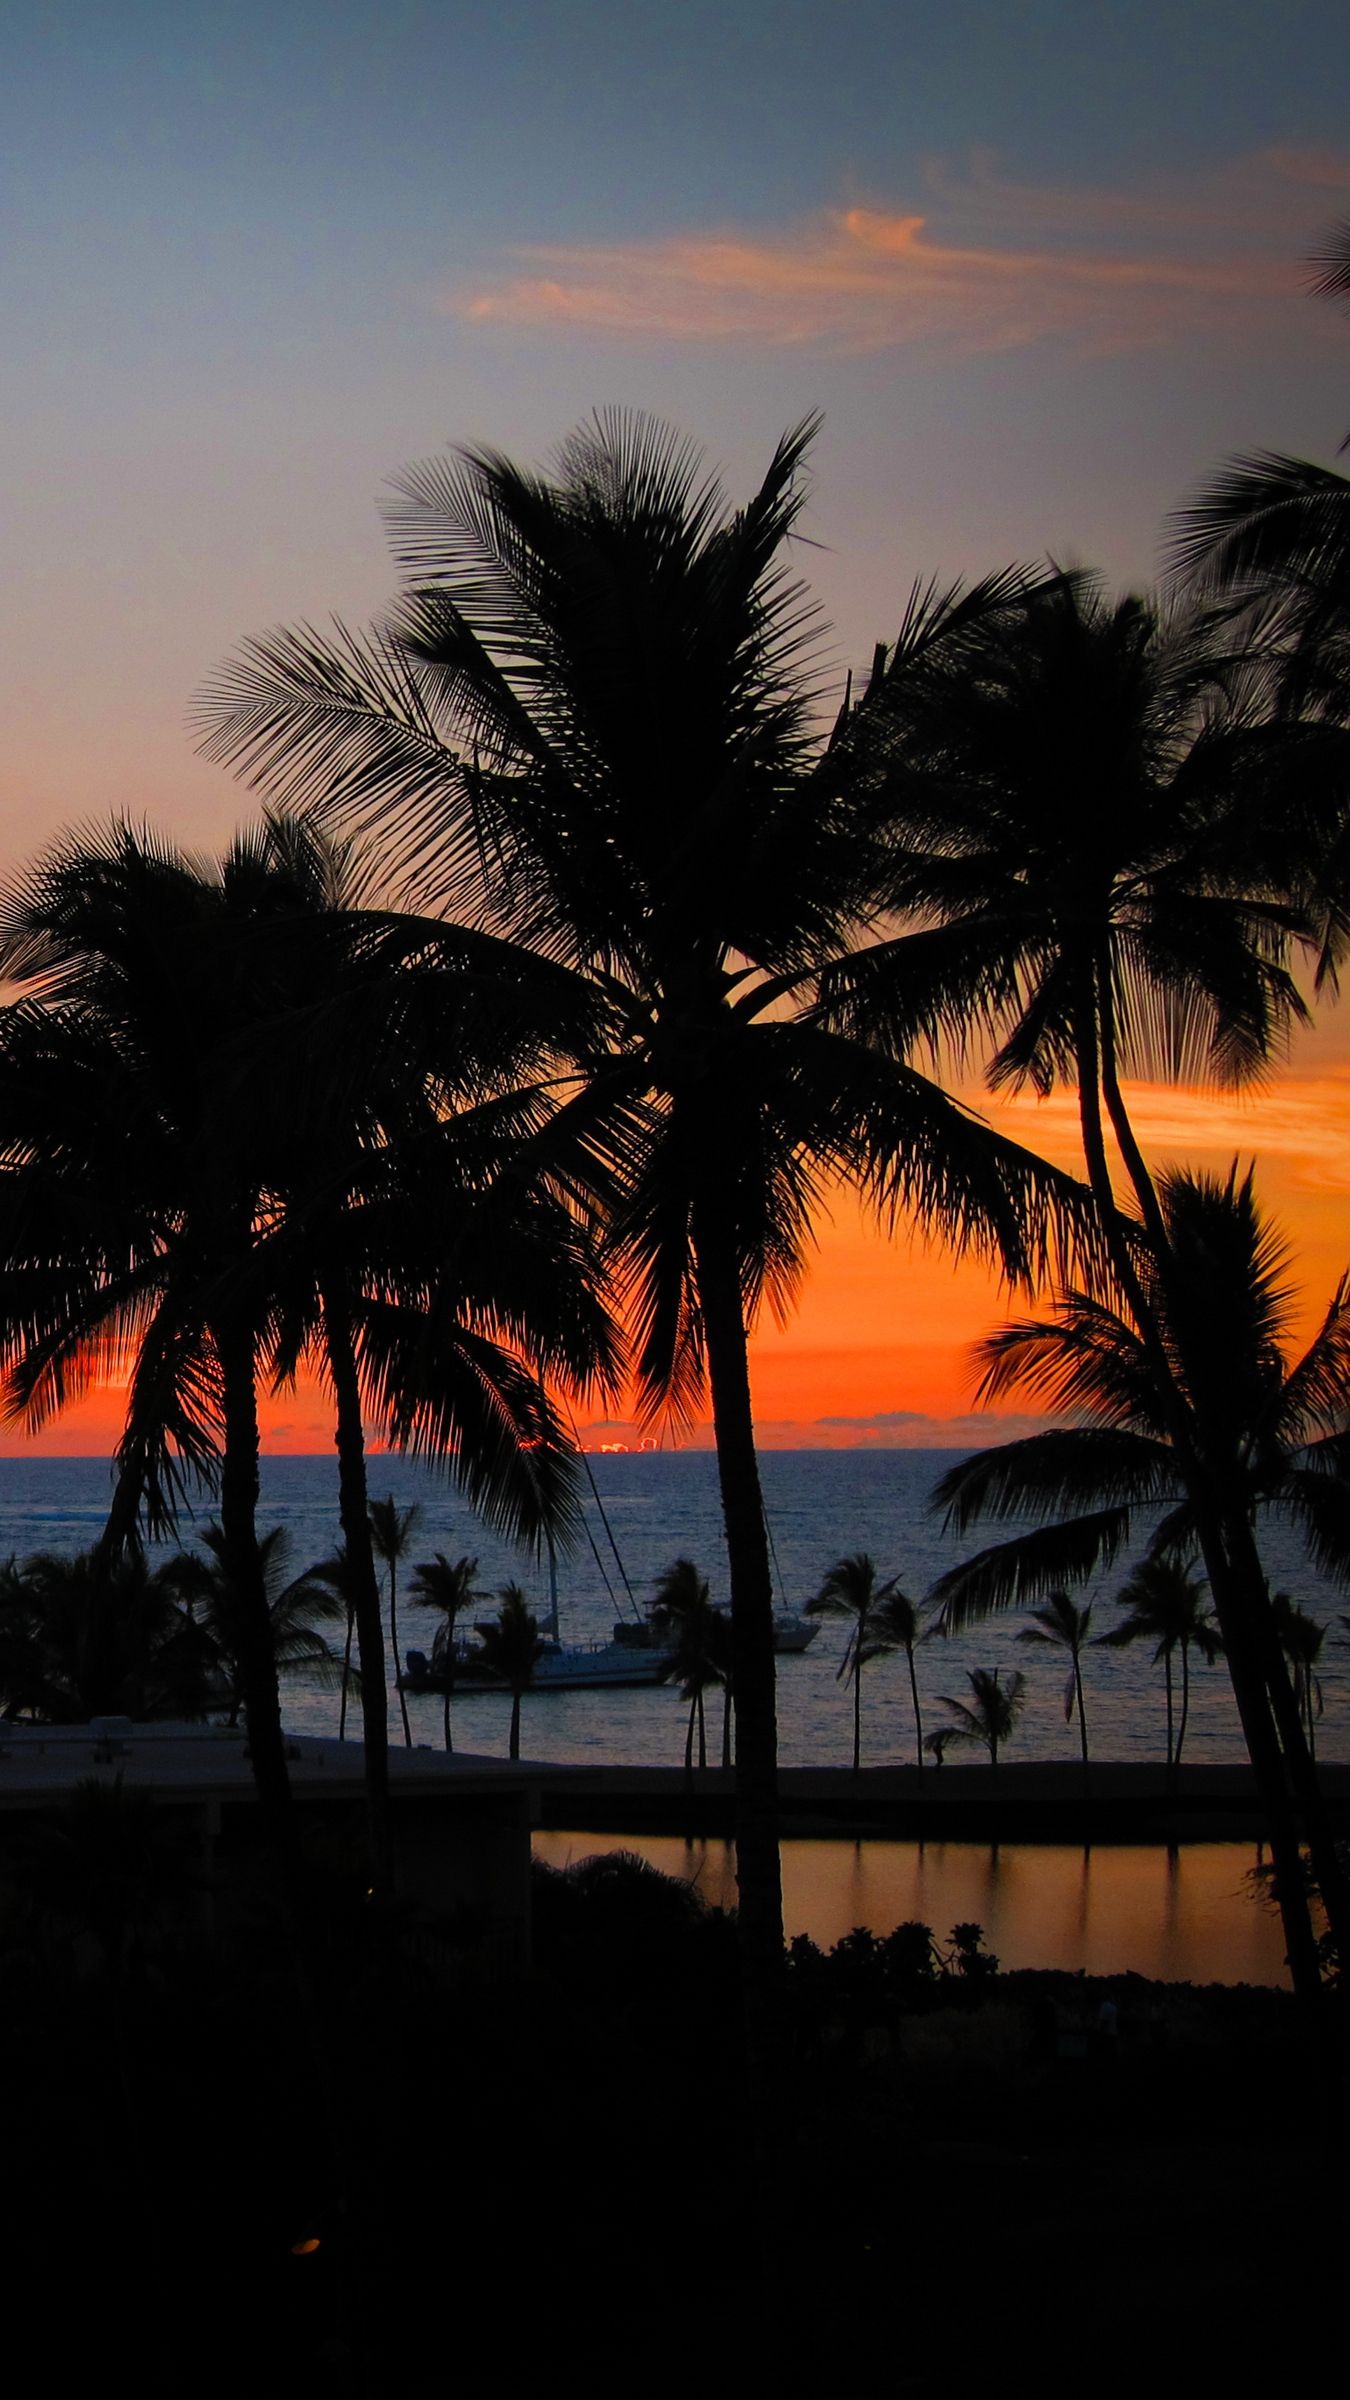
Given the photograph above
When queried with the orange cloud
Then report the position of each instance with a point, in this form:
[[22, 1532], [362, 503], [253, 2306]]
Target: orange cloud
[[865, 279]]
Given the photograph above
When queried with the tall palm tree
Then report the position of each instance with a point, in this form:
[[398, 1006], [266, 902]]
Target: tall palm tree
[[1059, 1625], [1165, 1604], [683, 1620], [391, 1530], [131, 1194], [851, 1591], [452, 1589], [990, 1715], [592, 723], [1272, 1435], [512, 1646]]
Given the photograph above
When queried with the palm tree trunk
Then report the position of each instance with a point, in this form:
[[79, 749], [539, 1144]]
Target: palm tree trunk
[[918, 1720], [445, 1703], [758, 1866], [354, 1513], [346, 1670], [1171, 1751], [689, 1744], [239, 1524], [1082, 1714], [514, 1748], [393, 1644], [1185, 1695], [857, 1702]]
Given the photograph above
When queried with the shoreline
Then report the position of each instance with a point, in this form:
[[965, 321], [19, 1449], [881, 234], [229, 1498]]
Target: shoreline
[[1032, 1801]]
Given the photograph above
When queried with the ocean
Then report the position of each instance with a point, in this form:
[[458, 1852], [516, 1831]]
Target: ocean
[[662, 1505]]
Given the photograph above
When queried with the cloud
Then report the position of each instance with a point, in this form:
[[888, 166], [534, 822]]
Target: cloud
[[985, 265], [1304, 1120]]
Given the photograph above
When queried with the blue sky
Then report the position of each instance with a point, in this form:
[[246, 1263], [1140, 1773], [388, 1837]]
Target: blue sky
[[259, 257]]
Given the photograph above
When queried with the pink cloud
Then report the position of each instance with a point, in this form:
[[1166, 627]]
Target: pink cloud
[[1103, 269]]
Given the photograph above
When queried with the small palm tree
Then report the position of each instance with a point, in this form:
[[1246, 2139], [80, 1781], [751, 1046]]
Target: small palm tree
[[1061, 1626], [851, 1591], [682, 1619], [391, 1531], [990, 1716], [1165, 1605], [1301, 1639], [296, 1606], [897, 1624], [939, 1742], [451, 1589], [512, 1647]]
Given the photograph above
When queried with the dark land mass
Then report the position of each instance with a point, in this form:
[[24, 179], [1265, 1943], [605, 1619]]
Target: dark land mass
[[1026, 1802], [353, 2159]]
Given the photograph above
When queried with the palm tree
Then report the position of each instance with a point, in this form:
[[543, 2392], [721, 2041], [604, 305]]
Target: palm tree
[[939, 1742], [450, 1588], [512, 1646], [1060, 1626], [296, 1606], [94, 1636], [1271, 1435], [131, 1197], [897, 1624], [682, 1619], [391, 1530], [1164, 1604], [1301, 1638], [990, 1716], [851, 1591], [428, 1276], [1270, 537], [593, 724]]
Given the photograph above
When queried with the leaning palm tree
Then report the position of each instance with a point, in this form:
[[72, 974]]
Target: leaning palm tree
[[990, 1715], [450, 1588], [851, 1591], [1165, 1604], [512, 1646], [1274, 1432], [1059, 1625], [391, 1530], [593, 724]]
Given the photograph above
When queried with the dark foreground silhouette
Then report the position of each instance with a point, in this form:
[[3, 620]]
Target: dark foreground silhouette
[[352, 2160]]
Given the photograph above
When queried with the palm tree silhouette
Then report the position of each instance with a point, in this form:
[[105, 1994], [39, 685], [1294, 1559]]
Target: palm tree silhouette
[[990, 1716], [1059, 1625], [512, 1647], [296, 1606], [592, 724], [450, 1588], [90, 1636], [1301, 1638], [851, 1591], [1164, 1604], [681, 1616], [391, 1531], [1270, 536], [1272, 1431], [128, 1222], [897, 1624]]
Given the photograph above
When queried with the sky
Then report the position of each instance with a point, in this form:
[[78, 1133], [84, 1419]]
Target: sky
[[1041, 263]]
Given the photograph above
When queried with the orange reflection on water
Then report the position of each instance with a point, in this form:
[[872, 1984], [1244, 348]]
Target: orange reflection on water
[[1185, 1917]]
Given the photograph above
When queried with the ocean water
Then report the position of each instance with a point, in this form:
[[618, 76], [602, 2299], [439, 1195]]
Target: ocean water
[[662, 1505]]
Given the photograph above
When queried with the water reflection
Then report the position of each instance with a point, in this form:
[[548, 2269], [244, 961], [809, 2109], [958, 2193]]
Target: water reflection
[[1184, 1915]]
